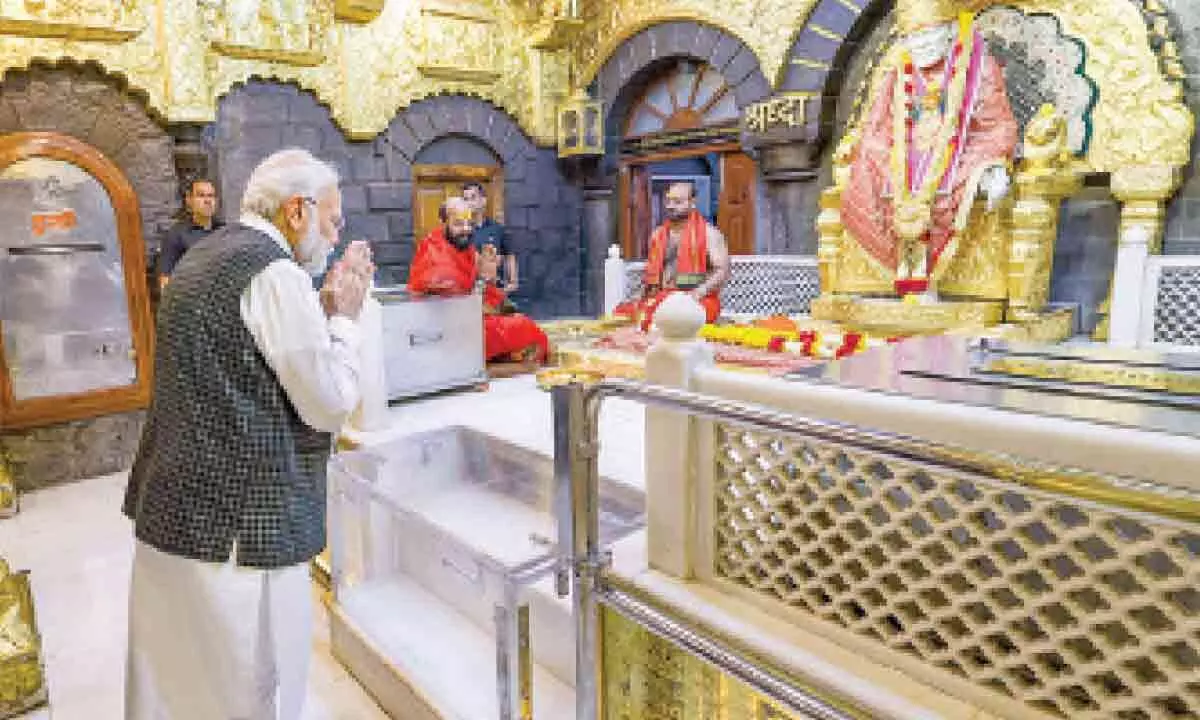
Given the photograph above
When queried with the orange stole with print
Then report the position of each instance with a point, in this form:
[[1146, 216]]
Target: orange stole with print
[[439, 268]]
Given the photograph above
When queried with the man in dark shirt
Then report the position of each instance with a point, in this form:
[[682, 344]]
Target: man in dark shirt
[[201, 202], [489, 232]]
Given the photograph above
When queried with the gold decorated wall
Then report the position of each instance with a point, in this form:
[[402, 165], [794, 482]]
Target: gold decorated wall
[[767, 27], [184, 55]]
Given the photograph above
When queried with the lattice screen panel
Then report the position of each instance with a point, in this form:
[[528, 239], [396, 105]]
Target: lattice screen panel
[[758, 285], [1177, 306], [1079, 611], [770, 286]]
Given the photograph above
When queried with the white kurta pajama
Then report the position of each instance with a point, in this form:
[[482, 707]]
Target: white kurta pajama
[[210, 641]]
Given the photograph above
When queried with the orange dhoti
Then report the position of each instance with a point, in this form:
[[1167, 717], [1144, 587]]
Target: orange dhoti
[[439, 268]]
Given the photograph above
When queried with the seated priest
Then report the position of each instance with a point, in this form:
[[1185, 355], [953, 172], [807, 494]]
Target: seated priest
[[447, 263], [687, 254]]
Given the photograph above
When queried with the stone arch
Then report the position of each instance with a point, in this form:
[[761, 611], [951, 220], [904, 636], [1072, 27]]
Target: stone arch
[[438, 116], [541, 207], [88, 103], [823, 47], [635, 61]]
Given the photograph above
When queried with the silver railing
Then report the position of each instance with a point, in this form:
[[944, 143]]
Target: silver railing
[[576, 409]]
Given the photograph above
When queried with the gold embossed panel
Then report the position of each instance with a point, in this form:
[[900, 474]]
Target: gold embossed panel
[[647, 678], [1082, 611]]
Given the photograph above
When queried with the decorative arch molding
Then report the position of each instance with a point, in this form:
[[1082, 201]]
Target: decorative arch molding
[[821, 51], [620, 78]]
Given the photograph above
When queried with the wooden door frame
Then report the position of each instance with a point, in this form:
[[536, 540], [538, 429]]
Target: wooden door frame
[[40, 411], [489, 175], [625, 188]]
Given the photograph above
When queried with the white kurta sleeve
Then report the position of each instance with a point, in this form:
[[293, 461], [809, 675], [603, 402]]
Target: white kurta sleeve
[[316, 359]]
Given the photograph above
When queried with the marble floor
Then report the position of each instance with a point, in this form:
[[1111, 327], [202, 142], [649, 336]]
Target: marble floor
[[78, 549]]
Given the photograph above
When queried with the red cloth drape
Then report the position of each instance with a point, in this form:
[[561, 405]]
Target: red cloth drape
[[439, 268]]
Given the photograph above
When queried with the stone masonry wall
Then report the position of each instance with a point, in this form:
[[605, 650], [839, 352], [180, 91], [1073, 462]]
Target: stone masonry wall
[[542, 210], [87, 104]]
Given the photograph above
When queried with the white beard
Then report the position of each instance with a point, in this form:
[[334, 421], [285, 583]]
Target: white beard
[[313, 252], [930, 44]]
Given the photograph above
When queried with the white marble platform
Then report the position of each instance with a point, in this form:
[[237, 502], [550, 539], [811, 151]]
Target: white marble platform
[[79, 550], [515, 410]]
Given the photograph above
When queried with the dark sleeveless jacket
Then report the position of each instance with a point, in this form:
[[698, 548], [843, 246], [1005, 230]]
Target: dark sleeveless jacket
[[224, 456]]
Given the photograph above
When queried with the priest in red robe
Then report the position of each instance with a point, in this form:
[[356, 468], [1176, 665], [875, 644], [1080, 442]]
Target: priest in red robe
[[687, 254], [446, 263]]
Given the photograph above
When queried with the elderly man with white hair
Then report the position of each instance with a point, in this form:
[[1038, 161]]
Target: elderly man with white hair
[[254, 372]]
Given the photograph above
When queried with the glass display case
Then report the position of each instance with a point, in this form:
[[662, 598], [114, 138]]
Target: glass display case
[[443, 559], [74, 317]]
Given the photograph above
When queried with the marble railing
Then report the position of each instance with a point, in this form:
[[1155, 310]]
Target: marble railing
[[908, 557]]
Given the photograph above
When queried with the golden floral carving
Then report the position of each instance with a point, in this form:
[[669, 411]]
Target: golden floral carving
[[767, 27], [1140, 118], [184, 54]]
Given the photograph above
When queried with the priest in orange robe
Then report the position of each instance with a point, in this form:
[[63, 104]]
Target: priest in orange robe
[[446, 263], [939, 133], [687, 254]]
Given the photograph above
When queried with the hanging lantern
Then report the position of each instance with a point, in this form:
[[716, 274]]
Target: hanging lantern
[[580, 131]]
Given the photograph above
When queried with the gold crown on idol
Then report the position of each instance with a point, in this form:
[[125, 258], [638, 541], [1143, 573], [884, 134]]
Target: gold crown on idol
[[913, 15]]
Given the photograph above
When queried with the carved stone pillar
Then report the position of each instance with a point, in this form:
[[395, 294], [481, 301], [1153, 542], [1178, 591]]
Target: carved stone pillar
[[781, 131], [1143, 192]]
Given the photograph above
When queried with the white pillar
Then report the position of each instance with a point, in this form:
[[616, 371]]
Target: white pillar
[[1125, 311], [614, 279], [671, 439], [1143, 192]]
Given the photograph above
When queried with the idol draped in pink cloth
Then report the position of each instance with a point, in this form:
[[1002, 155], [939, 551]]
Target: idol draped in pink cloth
[[987, 138]]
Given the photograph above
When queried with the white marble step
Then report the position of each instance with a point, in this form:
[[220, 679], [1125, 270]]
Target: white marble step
[[417, 656], [453, 546]]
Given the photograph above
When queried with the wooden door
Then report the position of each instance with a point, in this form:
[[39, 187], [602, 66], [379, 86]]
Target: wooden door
[[735, 210], [634, 196], [432, 184]]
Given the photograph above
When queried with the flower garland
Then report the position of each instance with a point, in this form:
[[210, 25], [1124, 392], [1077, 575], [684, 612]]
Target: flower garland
[[806, 343], [904, 116]]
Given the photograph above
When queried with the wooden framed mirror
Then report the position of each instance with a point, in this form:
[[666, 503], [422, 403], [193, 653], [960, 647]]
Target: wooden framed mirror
[[75, 323]]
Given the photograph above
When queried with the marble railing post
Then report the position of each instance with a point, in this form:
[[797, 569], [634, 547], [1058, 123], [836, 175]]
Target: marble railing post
[[614, 279], [1143, 192], [671, 439]]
